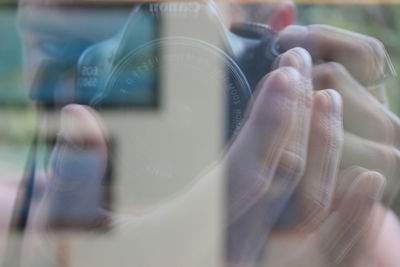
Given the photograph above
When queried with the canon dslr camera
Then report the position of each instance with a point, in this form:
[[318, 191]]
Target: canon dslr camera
[[127, 70]]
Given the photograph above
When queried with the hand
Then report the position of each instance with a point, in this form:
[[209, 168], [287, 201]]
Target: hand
[[274, 142], [76, 188], [351, 63], [272, 145], [262, 178], [279, 118], [347, 234]]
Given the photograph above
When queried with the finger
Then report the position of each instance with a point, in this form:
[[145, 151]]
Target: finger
[[361, 152], [292, 162], [345, 180], [77, 170], [335, 242], [383, 126], [380, 93], [364, 56], [296, 146], [342, 232], [325, 147], [252, 159], [246, 236]]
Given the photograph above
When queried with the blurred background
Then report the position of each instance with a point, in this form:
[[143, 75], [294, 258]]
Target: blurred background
[[16, 114]]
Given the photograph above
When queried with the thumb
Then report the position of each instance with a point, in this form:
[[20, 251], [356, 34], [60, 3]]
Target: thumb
[[77, 169]]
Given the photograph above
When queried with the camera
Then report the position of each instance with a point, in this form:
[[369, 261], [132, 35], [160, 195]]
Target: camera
[[125, 71], [178, 68]]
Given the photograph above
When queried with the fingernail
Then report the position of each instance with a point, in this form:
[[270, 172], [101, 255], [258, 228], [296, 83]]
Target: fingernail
[[298, 58], [295, 79], [336, 101], [328, 101], [375, 184], [290, 59], [322, 101], [284, 80]]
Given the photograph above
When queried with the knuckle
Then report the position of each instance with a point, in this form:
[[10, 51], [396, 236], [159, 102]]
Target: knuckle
[[292, 163], [262, 121], [277, 118], [335, 68], [308, 101], [314, 209], [329, 74], [324, 136], [326, 133], [320, 130]]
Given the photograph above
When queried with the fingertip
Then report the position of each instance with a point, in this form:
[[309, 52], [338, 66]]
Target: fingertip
[[375, 184], [328, 100], [290, 59], [351, 172], [322, 101], [276, 101], [335, 97], [272, 111], [282, 81], [82, 112], [299, 59], [80, 124], [368, 185]]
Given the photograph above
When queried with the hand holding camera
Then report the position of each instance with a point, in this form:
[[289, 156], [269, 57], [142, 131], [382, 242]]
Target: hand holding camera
[[291, 137], [355, 65]]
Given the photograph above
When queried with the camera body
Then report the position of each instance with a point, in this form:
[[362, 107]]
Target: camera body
[[124, 71], [163, 46]]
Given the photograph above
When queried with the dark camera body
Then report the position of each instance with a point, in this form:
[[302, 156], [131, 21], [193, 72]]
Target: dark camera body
[[188, 41], [124, 70]]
